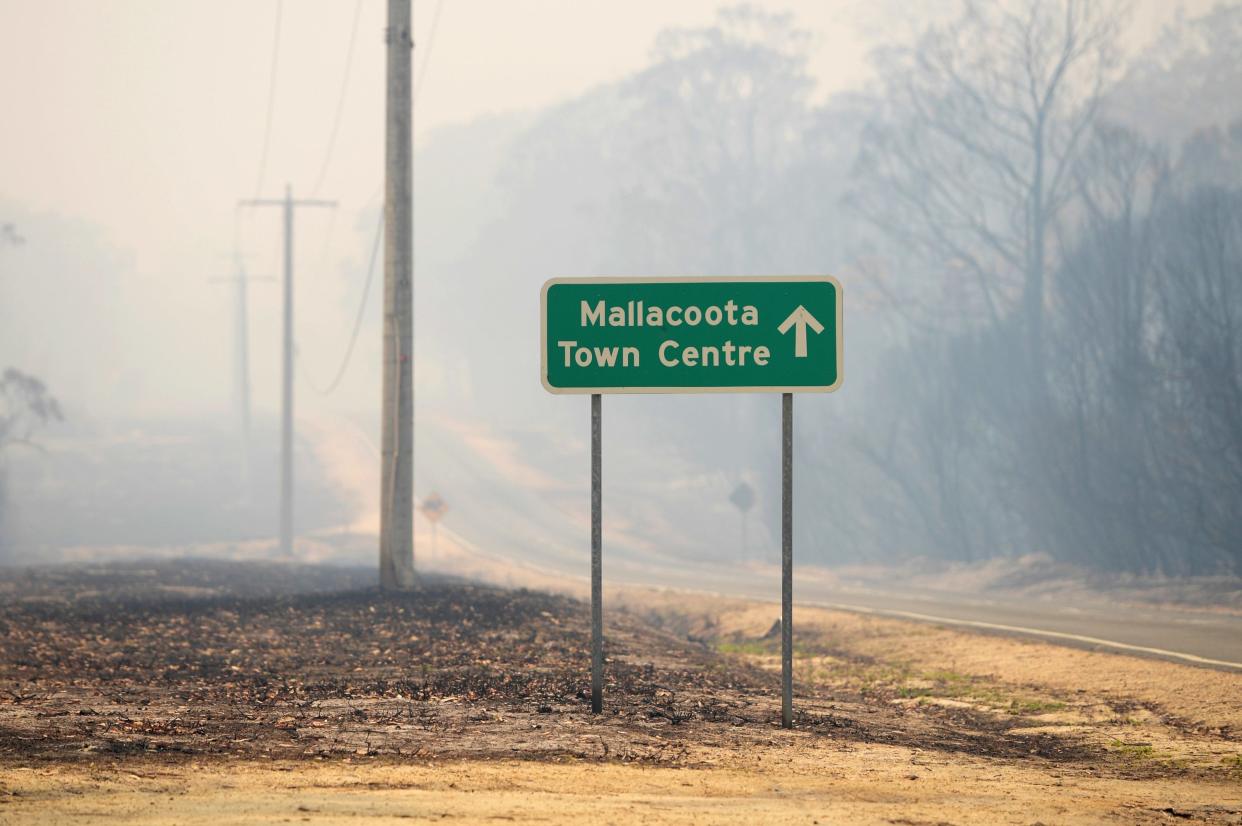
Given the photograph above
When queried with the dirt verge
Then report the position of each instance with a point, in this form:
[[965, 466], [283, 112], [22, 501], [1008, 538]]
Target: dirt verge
[[118, 686]]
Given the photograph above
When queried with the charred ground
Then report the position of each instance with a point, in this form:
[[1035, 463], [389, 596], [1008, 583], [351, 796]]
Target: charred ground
[[210, 660]]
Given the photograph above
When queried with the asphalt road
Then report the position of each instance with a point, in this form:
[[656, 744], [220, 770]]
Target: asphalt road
[[1206, 638], [528, 523], [1196, 637]]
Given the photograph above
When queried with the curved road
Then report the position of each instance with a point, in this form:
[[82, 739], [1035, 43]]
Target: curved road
[[1204, 638], [518, 524], [1197, 638]]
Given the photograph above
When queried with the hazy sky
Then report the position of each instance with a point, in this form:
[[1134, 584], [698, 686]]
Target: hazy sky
[[146, 114], [149, 114], [145, 119]]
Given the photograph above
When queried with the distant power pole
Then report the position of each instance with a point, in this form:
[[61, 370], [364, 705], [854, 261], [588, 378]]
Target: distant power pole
[[397, 473], [241, 345], [286, 424], [743, 498]]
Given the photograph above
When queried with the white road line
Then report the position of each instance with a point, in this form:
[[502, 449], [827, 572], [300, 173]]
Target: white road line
[[991, 626], [1037, 632]]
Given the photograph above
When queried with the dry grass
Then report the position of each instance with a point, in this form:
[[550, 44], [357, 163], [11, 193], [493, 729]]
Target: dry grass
[[343, 707]]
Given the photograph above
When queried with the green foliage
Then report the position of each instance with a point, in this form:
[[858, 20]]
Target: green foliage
[[1134, 751]]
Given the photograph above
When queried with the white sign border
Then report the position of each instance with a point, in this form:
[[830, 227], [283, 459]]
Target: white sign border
[[687, 279]]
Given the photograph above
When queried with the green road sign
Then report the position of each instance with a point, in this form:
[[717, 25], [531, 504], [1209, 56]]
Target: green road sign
[[760, 334]]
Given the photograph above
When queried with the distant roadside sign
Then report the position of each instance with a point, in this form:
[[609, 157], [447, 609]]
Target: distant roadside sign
[[773, 334], [433, 508], [743, 497]]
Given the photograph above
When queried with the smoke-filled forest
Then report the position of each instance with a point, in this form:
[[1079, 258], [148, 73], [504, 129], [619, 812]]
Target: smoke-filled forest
[[1039, 237], [1033, 207]]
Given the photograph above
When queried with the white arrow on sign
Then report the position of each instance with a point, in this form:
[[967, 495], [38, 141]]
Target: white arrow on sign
[[802, 319]]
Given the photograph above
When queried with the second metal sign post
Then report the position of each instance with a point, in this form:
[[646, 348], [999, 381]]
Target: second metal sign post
[[763, 334]]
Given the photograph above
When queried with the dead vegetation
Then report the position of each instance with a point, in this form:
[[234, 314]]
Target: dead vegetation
[[194, 666]]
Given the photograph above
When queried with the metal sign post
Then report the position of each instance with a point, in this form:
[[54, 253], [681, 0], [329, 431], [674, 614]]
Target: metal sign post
[[433, 509], [597, 557], [787, 560], [763, 334]]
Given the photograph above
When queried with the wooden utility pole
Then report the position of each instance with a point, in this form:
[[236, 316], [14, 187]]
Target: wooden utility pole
[[286, 396], [241, 343], [397, 474]]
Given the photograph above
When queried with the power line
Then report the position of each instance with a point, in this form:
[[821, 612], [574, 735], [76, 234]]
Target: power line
[[271, 99], [340, 100], [431, 39], [366, 290], [362, 306], [329, 236]]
